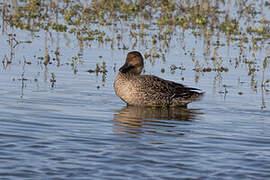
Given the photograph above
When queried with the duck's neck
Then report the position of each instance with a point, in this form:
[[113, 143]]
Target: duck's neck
[[127, 75]]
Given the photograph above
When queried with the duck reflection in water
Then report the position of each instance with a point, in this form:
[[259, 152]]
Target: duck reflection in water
[[137, 119]]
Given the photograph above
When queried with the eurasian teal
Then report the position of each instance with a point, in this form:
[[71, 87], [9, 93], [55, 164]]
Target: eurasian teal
[[149, 90]]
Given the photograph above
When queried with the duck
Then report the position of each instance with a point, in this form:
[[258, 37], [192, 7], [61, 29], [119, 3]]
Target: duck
[[149, 90]]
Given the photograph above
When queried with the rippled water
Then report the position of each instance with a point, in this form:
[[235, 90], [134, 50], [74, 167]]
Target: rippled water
[[77, 128], [76, 131]]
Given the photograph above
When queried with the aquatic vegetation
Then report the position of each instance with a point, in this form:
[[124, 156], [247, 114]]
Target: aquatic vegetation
[[157, 27], [230, 27], [52, 80]]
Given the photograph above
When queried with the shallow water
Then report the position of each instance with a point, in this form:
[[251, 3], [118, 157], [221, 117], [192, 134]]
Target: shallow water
[[77, 128]]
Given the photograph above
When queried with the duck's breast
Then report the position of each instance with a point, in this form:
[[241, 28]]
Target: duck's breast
[[124, 88]]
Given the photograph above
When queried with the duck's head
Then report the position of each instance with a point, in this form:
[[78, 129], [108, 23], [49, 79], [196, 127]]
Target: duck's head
[[134, 63]]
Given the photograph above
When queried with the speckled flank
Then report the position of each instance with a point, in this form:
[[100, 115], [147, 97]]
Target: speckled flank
[[148, 90]]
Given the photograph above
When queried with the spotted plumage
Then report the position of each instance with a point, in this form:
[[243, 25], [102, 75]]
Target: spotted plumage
[[148, 90]]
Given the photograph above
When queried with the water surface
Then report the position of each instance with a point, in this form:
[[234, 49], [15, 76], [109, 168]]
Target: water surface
[[61, 121]]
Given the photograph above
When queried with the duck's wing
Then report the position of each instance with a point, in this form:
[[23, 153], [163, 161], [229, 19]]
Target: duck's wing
[[166, 88]]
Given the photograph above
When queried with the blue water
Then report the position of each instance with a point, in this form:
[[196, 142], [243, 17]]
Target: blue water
[[77, 128]]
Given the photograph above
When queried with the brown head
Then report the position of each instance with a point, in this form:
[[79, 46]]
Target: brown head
[[134, 63]]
